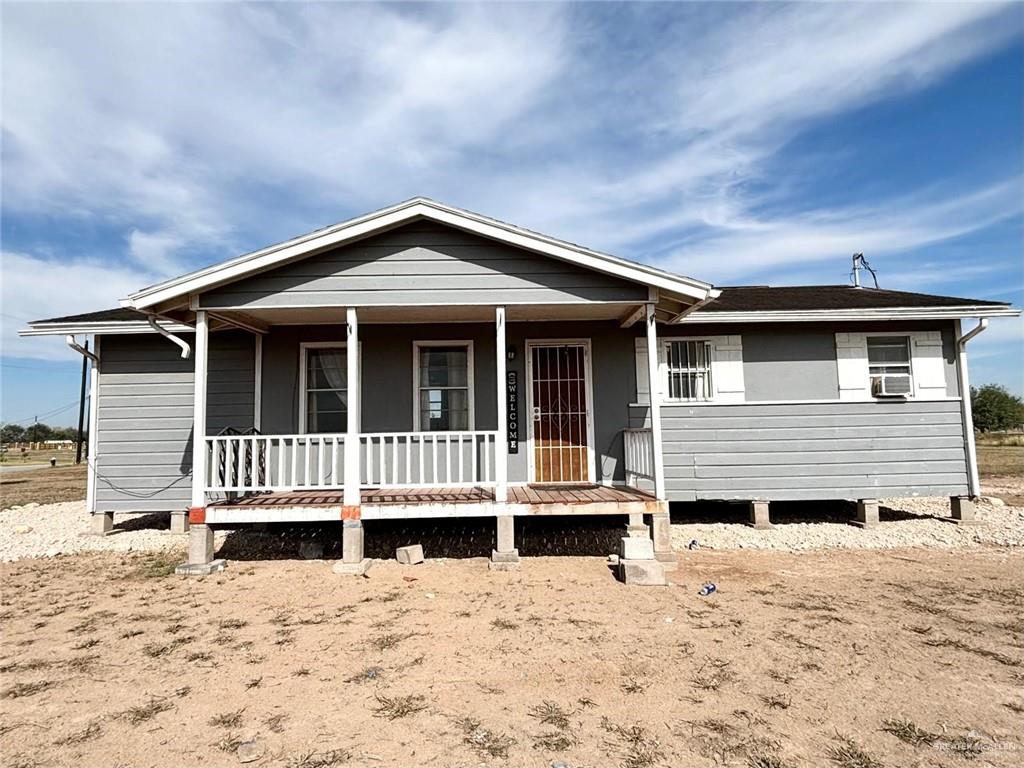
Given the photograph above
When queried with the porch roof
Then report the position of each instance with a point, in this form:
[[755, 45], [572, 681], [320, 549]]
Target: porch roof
[[736, 304]]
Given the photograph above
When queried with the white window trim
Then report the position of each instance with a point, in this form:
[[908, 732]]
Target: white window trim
[[303, 347], [909, 337], [470, 376], [663, 369], [728, 387]]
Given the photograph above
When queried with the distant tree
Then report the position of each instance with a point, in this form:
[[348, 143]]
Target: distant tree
[[12, 433], [36, 433], [63, 433], [995, 409]]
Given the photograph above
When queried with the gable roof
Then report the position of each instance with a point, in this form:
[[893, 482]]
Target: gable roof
[[403, 213]]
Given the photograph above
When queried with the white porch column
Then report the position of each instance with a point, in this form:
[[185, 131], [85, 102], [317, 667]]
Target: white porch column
[[199, 411], [352, 448], [257, 395], [501, 444], [654, 377]]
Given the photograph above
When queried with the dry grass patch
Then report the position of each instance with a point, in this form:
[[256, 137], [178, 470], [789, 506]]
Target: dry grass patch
[[21, 690], [146, 712], [633, 745], [849, 754], [275, 723], [960, 645], [324, 759], [397, 707], [90, 732], [227, 719], [909, 733], [485, 742], [713, 674], [156, 565], [391, 640]]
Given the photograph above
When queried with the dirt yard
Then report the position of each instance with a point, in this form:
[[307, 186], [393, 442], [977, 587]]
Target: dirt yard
[[41, 484], [856, 659]]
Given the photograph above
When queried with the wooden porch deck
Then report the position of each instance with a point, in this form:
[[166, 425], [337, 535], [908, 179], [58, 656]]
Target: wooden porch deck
[[517, 494], [435, 502]]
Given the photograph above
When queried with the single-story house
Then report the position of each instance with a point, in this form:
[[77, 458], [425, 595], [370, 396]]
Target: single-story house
[[426, 361]]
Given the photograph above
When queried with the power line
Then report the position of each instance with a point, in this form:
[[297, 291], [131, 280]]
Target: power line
[[54, 412]]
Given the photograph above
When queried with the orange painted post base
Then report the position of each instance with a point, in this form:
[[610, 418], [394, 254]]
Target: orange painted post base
[[350, 512], [197, 515]]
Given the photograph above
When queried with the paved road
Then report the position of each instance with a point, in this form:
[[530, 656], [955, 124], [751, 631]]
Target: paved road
[[5, 468]]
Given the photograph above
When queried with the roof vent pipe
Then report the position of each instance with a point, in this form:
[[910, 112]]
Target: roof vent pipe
[[859, 263], [186, 350]]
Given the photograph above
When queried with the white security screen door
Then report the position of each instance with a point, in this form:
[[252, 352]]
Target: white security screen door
[[560, 428]]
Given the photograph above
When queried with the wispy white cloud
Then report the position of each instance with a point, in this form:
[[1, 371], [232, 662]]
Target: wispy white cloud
[[750, 246], [201, 130], [33, 289]]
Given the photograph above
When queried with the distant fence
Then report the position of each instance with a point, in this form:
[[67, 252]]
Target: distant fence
[[43, 445]]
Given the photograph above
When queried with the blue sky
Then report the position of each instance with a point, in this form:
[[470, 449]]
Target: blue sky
[[734, 143]]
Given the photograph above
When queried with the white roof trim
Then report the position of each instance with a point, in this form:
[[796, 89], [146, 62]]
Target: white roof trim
[[100, 327], [844, 315], [402, 213]]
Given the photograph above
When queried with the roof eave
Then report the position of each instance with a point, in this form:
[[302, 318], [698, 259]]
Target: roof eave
[[101, 327], [387, 218], [860, 314]]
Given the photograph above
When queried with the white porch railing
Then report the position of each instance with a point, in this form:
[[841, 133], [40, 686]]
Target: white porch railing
[[259, 463], [422, 459], [638, 446], [242, 463]]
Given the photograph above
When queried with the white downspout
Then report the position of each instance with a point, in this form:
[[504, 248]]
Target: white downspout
[[94, 403], [186, 350], [73, 343], [973, 481]]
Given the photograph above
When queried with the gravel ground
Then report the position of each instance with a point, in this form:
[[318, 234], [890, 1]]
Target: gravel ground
[[48, 530], [904, 523]]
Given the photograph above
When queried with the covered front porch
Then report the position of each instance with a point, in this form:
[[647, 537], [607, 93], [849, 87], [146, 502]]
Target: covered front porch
[[568, 451]]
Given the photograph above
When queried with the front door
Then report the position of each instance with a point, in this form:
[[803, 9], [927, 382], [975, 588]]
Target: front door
[[560, 429]]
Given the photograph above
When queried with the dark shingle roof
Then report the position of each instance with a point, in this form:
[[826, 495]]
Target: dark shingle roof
[[761, 298], [119, 314], [752, 298]]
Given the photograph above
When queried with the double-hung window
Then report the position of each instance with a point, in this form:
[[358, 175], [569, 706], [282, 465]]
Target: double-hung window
[[687, 365], [889, 366], [324, 389], [444, 385]]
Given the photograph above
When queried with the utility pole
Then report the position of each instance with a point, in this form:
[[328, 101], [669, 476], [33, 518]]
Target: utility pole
[[81, 407]]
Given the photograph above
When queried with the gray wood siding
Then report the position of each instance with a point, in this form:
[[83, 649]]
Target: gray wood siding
[[387, 361], [797, 361], [145, 416], [811, 450], [428, 265]]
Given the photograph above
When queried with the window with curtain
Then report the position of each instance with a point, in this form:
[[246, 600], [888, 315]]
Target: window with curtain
[[326, 389], [444, 387], [889, 366], [688, 366]]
